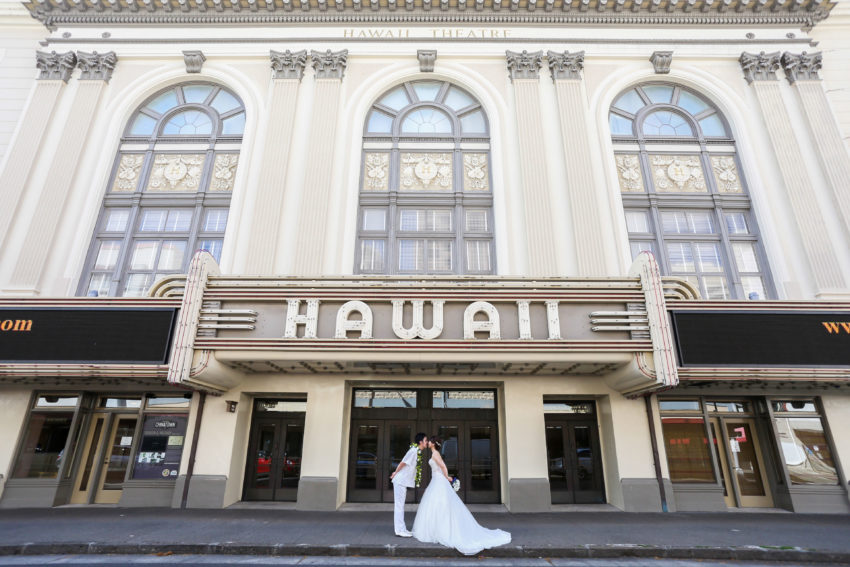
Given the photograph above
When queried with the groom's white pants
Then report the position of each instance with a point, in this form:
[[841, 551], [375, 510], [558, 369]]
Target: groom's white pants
[[399, 496]]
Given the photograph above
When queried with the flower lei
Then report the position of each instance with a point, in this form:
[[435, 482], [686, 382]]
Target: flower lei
[[418, 464]]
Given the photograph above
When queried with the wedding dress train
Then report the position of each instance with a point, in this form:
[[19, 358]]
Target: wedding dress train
[[443, 518]]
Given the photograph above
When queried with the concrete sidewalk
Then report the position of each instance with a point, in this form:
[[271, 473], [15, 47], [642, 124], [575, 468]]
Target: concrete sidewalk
[[268, 531]]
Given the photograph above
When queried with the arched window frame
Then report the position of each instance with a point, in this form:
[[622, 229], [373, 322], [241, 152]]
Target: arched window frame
[[201, 184], [472, 252], [727, 205]]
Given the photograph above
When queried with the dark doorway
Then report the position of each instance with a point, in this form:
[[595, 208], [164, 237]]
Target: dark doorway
[[572, 447], [274, 450]]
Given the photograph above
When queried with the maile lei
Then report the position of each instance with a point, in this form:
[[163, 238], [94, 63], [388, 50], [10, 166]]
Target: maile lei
[[418, 463]]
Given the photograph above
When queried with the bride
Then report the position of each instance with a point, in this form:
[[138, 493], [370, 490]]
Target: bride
[[443, 518]]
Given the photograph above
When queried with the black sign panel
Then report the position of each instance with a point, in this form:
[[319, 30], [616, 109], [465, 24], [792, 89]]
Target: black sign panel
[[762, 338], [72, 335]]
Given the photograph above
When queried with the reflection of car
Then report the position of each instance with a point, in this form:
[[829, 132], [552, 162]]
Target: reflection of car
[[291, 465], [366, 464], [264, 466], [585, 463]]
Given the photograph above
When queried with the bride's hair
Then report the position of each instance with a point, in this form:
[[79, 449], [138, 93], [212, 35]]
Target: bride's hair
[[438, 443]]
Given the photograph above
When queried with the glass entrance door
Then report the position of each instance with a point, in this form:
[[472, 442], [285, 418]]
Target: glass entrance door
[[575, 465], [274, 457], [741, 463], [116, 459]]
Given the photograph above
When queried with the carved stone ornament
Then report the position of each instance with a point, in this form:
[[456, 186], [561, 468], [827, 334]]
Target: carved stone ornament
[[426, 57], [678, 174], [803, 67], [661, 61], [565, 65], [376, 172], [759, 67], [726, 174], [475, 177], [224, 172], [524, 65], [288, 64], [53, 66], [194, 60], [629, 174], [426, 172], [176, 172], [127, 176], [329, 64], [96, 66]]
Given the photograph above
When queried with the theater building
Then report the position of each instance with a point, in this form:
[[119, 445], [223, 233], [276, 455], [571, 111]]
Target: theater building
[[249, 248]]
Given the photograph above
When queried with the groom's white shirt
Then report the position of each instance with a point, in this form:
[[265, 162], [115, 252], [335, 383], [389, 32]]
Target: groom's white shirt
[[406, 477]]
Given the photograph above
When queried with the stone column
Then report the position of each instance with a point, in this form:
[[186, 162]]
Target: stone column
[[760, 72], [802, 72], [96, 70], [287, 71], [581, 183], [524, 70], [329, 67], [54, 71]]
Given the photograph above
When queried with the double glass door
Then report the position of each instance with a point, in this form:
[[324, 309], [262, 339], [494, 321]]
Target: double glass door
[[575, 465], [738, 453], [274, 457], [105, 459]]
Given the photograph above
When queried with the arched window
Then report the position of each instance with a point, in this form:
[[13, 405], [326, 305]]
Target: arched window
[[684, 192], [425, 196], [169, 193]]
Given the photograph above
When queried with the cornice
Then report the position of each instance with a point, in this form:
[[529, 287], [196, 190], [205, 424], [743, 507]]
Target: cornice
[[804, 13]]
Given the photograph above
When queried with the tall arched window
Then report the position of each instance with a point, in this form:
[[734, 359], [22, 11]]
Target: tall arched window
[[169, 193], [425, 195], [684, 193]]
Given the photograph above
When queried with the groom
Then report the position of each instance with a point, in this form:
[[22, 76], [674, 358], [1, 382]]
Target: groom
[[403, 478]]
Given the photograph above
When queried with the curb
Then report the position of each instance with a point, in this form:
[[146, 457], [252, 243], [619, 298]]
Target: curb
[[739, 553]]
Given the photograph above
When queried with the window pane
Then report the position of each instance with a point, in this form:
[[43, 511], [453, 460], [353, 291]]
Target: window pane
[[372, 256], [116, 220], [682, 222], [440, 221], [188, 123], [56, 401], [161, 447], [666, 123], [630, 101], [569, 407], [410, 255], [196, 93], [712, 126], [637, 221], [794, 406], [478, 256], [215, 220], [443, 399], [225, 102], [234, 125], [679, 405], [143, 125], [426, 220], [476, 221], [427, 121], [736, 223], [688, 456], [163, 102], [753, 287], [119, 402], [144, 254], [805, 450], [692, 103], [658, 94], [745, 256], [395, 99], [715, 287], [137, 284], [44, 444], [728, 407], [375, 219], [709, 257], [680, 256], [211, 246], [379, 123], [473, 123], [107, 255], [160, 402], [620, 126], [99, 283], [153, 220], [179, 220], [640, 246], [171, 257], [456, 99], [440, 255], [384, 398], [426, 90]]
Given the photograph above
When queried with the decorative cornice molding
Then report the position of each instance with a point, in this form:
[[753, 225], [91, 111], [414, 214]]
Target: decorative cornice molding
[[329, 64], [55, 66], [426, 57], [524, 65], [96, 66], [803, 67], [288, 64], [661, 61], [566, 65], [759, 66], [194, 60], [804, 13]]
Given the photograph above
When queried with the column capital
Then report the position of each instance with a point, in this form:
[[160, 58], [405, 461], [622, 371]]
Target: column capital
[[96, 66], [802, 67], [524, 65], [288, 64], [329, 64], [55, 65], [759, 66], [565, 65], [194, 60]]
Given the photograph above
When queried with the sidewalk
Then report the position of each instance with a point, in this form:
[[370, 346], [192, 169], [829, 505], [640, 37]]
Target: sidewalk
[[270, 531]]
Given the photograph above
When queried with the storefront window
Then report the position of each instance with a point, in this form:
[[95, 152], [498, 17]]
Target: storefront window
[[43, 450], [56, 402], [803, 443], [384, 399], [161, 448], [728, 407], [688, 456], [120, 403], [679, 405], [299, 406], [445, 399], [168, 403]]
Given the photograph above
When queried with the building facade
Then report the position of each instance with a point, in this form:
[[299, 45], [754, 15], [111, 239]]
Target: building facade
[[249, 248]]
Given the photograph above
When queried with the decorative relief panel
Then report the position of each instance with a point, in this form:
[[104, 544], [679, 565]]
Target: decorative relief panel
[[127, 176], [426, 172], [678, 174], [224, 172], [176, 172], [376, 172], [726, 174], [475, 177], [628, 172]]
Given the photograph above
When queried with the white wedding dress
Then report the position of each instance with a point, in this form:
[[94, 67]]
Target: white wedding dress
[[443, 518]]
